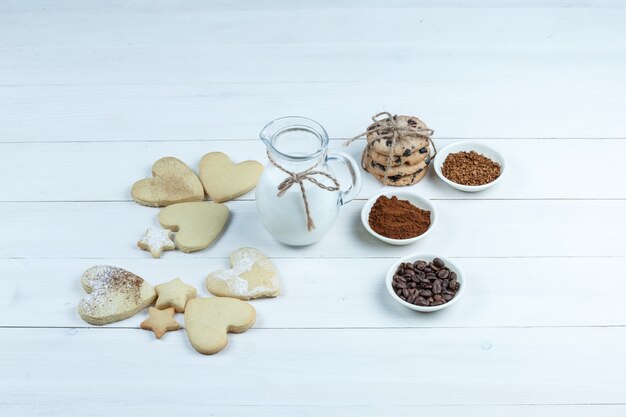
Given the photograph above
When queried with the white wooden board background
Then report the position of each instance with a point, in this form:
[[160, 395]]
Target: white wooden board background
[[91, 93]]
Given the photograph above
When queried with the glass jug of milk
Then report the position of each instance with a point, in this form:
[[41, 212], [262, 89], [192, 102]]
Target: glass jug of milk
[[297, 177]]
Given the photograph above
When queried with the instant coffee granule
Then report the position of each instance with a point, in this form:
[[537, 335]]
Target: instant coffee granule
[[398, 219], [470, 168]]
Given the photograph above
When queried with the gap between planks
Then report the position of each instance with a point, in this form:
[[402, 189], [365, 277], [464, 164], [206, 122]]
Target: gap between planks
[[182, 327], [456, 138]]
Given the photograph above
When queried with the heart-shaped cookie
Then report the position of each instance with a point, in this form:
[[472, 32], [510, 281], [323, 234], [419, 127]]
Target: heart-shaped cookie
[[208, 320], [224, 180], [196, 224], [252, 275], [113, 294], [172, 182]]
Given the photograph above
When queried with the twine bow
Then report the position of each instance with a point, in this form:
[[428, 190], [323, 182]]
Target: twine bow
[[299, 178], [388, 129]]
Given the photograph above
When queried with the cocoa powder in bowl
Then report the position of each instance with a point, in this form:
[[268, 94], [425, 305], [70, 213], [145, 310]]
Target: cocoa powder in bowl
[[398, 219]]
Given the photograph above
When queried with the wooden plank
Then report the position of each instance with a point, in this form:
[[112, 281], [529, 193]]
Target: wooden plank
[[195, 409], [16, 6], [143, 24], [540, 61], [457, 77], [533, 169], [466, 228], [507, 109], [110, 370], [346, 293]]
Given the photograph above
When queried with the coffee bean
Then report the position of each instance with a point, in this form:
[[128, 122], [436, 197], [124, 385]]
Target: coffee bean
[[425, 283], [420, 265]]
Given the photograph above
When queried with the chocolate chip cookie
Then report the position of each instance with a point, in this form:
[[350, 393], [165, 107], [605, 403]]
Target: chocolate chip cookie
[[399, 180], [422, 154], [413, 137], [376, 168]]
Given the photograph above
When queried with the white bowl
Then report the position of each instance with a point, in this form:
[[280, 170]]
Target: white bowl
[[466, 147], [414, 199], [428, 258]]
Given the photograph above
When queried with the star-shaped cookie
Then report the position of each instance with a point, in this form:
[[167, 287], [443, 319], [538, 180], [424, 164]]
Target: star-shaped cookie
[[156, 241], [174, 294], [160, 321]]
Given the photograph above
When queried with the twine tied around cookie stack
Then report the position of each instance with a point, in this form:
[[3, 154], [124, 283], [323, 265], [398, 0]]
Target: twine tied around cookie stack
[[299, 178], [381, 157]]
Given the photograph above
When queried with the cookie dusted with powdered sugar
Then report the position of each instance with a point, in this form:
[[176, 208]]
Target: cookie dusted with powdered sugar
[[113, 294], [252, 275], [156, 241]]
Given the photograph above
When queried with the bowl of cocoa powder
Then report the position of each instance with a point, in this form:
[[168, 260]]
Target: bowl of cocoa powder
[[469, 166], [398, 217]]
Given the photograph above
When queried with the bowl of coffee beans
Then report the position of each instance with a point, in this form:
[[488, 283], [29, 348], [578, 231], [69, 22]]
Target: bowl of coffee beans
[[469, 166], [425, 282]]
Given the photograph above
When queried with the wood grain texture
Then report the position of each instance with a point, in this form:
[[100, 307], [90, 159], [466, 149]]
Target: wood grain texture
[[113, 368], [92, 93], [536, 169], [506, 109], [466, 228], [345, 293], [71, 74]]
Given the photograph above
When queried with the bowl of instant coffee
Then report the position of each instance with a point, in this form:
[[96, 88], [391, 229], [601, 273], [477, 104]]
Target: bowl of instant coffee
[[425, 282], [469, 166], [398, 217]]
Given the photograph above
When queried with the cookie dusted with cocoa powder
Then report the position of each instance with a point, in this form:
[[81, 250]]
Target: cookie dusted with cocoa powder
[[113, 294]]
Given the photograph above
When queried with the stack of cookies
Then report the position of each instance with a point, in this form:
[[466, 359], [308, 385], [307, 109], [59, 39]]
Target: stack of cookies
[[410, 155]]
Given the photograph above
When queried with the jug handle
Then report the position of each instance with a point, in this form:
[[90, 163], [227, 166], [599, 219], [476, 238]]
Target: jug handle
[[349, 194]]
